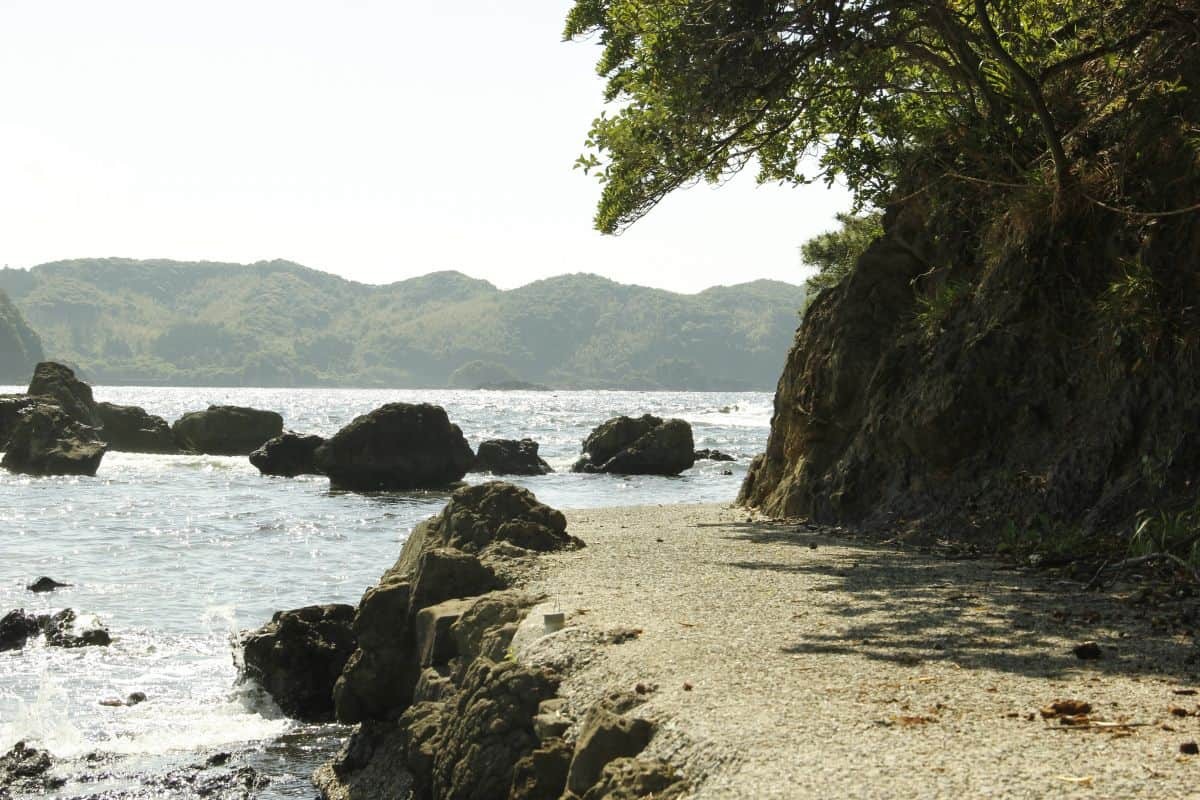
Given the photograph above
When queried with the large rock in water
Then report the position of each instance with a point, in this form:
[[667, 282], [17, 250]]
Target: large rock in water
[[47, 441], [458, 554], [298, 655], [131, 429], [398, 447], [226, 430], [645, 445], [288, 455], [11, 406], [510, 457], [54, 380]]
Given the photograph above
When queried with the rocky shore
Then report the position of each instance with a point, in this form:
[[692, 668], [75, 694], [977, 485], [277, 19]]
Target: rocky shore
[[707, 654]]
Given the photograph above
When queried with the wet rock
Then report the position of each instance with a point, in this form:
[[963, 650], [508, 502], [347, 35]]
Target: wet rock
[[226, 430], [298, 656], [131, 429], [645, 445], [66, 629], [713, 455], [46, 441], [605, 736], [510, 457], [398, 447], [45, 584], [542, 774], [288, 455], [72, 395], [25, 769], [16, 627], [217, 759], [630, 778], [133, 699]]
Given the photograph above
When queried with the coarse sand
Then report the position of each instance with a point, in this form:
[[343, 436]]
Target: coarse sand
[[791, 661]]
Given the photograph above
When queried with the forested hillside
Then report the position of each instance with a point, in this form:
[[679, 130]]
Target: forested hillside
[[20, 348], [278, 323]]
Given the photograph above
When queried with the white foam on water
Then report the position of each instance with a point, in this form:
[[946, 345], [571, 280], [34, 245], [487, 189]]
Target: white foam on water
[[42, 720]]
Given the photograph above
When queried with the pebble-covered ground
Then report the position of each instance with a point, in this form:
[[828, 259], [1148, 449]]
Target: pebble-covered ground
[[787, 661]]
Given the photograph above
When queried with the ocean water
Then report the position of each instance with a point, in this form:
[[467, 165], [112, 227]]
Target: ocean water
[[176, 554]]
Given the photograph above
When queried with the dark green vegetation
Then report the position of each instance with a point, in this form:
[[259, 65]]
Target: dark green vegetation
[[280, 324], [835, 252], [20, 347], [1020, 349]]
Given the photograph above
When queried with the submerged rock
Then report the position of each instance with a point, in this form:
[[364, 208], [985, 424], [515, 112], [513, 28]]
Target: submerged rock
[[45, 584], [64, 629], [57, 381], [510, 457], [16, 627], [399, 447], [713, 455], [131, 429], [226, 430], [645, 445], [288, 455], [298, 655], [47, 441], [25, 770]]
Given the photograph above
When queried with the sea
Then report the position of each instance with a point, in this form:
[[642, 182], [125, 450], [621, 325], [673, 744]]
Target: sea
[[177, 554]]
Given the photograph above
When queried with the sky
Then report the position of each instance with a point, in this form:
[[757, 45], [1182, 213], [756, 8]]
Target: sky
[[375, 140]]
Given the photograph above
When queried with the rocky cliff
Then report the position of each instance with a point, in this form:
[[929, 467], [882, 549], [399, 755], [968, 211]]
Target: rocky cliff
[[20, 347], [975, 374]]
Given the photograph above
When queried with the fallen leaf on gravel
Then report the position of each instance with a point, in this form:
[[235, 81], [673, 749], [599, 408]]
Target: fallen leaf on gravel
[[1167, 727], [918, 720], [687, 687], [1085, 780], [1189, 749], [1178, 711], [1183, 691], [1068, 708], [1076, 719], [688, 624]]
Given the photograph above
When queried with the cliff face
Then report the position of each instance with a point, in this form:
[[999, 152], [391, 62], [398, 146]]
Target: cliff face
[[20, 347], [1039, 380]]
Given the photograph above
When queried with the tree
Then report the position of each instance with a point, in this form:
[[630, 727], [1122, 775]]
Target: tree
[[888, 95], [834, 252]]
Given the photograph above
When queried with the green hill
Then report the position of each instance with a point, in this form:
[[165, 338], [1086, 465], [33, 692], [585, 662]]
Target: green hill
[[20, 347], [278, 324]]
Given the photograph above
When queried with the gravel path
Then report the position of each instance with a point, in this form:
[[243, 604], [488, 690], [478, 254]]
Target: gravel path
[[786, 661]]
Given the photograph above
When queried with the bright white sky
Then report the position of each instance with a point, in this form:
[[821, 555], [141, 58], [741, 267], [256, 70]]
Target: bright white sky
[[377, 140]]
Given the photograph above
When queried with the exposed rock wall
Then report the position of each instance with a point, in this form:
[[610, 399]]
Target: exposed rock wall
[[1048, 379]]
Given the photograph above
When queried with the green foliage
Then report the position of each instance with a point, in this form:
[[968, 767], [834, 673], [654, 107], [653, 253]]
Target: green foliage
[[20, 347], [835, 252], [1044, 538], [890, 96], [1174, 532], [935, 306], [1132, 306], [276, 323]]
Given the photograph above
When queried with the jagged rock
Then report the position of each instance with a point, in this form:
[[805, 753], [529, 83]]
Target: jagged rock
[[434, 642], [645, 445], [25, 769], [713, 455], [542, 774], [510, 457], [486, 731], [131, 429], [226, 430], [57, 381], [298, 656], [486, 626], [47, 441], [15, 628], [448, 557], [605, 736], [288, 455], [398, 447], [633, 778], [64, 630], [11, 406], [45, 584]]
